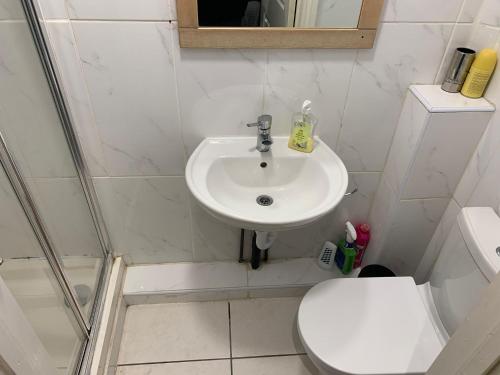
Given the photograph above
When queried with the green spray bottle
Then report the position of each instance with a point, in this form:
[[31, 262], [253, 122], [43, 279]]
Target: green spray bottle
[[346, 253]]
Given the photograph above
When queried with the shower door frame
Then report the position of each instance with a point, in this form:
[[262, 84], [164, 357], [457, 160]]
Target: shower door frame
[[89, 326]]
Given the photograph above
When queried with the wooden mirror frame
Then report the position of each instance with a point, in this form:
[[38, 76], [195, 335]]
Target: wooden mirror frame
[[191, 35]]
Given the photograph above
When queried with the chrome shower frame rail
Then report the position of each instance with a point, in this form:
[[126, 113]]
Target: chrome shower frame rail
[[89, 326]]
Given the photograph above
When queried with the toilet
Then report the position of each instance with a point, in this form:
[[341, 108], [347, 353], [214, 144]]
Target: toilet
[[379, 326]]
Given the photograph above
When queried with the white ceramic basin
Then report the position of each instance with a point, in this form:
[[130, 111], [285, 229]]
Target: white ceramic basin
[[226, 175]]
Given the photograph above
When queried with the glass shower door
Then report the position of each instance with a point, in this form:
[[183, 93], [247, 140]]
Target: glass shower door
[[52, 242], [27, 274]]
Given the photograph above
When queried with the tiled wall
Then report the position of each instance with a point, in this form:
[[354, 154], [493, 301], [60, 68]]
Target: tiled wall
[[30, 125], [436, 136], [142, 104], [479, 185]]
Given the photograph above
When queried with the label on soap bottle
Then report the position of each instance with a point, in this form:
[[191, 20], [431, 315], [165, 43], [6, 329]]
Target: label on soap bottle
[[301, 134]]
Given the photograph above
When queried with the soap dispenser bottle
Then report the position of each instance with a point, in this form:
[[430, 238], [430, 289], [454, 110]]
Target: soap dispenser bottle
[[346, 253], [303, 126]]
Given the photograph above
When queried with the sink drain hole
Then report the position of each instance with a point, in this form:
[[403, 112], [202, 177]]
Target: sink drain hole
[[264, 200]]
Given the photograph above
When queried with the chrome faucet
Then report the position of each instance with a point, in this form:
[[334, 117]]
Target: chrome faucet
[[264, 139]]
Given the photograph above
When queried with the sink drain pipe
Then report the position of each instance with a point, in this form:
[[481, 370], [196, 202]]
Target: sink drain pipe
[[261, 241]]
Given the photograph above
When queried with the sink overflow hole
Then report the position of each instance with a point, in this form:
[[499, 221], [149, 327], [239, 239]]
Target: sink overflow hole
[[263, 164], [264, 200]]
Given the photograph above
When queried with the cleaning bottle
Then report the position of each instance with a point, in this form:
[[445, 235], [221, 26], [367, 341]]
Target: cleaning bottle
[[346, 253], [480, 73], [363, 237], [303, 126]]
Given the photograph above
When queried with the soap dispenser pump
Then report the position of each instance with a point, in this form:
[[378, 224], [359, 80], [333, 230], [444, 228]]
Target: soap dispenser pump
[[346, 253]]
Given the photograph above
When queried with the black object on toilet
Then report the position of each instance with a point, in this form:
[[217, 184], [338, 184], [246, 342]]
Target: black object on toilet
[[376, 270]]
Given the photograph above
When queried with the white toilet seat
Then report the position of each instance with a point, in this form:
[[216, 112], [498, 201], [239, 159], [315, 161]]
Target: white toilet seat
[[368, 326]]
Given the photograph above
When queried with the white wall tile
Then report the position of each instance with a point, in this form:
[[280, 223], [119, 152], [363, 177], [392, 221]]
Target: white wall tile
[[220, 91], [490, 13], [121, 9], [421, 10], [18, 239], [403, 54], [486, 193], [11, 10], [484, 36], [485, 151], [433, 249], [470, 10], [319, 75], [212, 239], [148, 218], [70, 67], [28, 118], [413, 226], [439, 163], [380, 219], [62, 204], [53, 9], [130, 75], [409, 132]]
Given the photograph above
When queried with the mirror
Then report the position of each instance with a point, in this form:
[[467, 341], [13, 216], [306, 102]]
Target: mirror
[[278, 23], [337, 14]]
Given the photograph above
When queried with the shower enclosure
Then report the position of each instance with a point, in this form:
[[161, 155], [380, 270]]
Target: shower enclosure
[[54, 248]]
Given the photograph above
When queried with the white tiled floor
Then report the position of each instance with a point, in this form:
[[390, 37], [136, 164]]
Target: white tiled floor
[[240, 337]]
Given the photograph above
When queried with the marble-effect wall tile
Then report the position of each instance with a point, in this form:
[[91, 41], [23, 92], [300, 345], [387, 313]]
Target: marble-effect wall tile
[[28, 118], [421, 11], [470, 10], [129, 71], [11, 10], [403, 54], [62, 203], [321, 76], [148, 218], [413, 226], [70, 66], [145, 10], [411, 124], [490, 13], [18, 239], [485, 151], [438, 167], [53, 9], [437, 241], [212, 239]]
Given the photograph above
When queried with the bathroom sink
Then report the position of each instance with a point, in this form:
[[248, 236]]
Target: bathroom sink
[[265, 191]]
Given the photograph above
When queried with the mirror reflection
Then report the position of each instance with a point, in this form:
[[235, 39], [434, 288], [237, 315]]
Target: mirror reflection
[[279, 13]]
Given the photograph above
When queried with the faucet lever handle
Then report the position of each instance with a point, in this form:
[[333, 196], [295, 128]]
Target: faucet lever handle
[[263, 122]]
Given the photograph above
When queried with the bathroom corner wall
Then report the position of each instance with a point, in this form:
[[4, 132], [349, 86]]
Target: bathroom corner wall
[[435, 138], [478, 186], [142, 104]]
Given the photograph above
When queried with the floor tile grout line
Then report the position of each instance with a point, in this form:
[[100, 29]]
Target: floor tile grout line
[[271, 356], [179, 361], [210, 359], [230, 337]]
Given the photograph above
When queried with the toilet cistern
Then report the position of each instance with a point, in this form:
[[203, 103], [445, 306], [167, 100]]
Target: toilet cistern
[[264, 139]]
